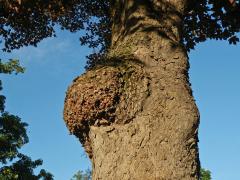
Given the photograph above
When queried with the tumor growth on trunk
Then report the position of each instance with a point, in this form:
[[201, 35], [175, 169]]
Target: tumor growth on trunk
[[112, 93]]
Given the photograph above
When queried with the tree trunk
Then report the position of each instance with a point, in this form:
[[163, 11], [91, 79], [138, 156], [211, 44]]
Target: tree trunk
[[140, 121]]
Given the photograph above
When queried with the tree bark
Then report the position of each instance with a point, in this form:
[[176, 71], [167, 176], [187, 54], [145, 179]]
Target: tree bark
[[151, 132]]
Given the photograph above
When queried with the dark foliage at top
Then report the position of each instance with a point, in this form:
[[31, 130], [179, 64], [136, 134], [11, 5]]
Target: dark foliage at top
[[211, 19], [27, 22]]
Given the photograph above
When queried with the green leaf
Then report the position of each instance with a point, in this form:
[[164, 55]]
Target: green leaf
[[11, 66]]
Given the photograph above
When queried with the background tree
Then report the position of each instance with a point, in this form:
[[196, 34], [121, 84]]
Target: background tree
[[81, 175], [142, 56], [13, 135], [205, 174]]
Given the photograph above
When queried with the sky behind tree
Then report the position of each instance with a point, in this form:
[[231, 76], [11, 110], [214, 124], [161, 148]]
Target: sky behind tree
[[37, 96]]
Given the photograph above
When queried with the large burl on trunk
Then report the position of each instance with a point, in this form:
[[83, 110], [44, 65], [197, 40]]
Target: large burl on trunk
[[134, 113]]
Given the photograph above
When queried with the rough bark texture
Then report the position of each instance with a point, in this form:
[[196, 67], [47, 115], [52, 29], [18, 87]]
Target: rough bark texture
[[135, 114]]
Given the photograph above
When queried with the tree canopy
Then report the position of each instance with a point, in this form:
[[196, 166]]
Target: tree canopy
[[27, 22]]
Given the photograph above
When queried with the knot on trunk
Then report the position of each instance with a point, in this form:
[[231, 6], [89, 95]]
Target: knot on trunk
[[105, 96]]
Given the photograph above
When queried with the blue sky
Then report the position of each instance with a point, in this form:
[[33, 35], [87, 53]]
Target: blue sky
[[37, 96]]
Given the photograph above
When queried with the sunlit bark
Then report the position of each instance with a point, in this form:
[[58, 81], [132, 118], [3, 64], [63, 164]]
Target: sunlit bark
[[155, 135]]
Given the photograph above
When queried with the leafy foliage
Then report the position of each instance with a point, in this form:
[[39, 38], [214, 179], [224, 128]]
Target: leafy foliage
[[205, 174], [211, 19], [11, 66], [13, 135], [26, 22], [23, 169], [8, 68], [81, 175]]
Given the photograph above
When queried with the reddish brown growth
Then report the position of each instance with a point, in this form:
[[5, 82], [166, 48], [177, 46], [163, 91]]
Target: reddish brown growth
[[102, 97], [92, 100]]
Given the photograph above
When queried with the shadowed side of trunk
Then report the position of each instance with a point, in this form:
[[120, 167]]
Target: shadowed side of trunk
[[134, 113]]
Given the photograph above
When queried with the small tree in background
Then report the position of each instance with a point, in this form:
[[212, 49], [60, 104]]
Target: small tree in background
[[81, 175], [13, 135], [205, 174]]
